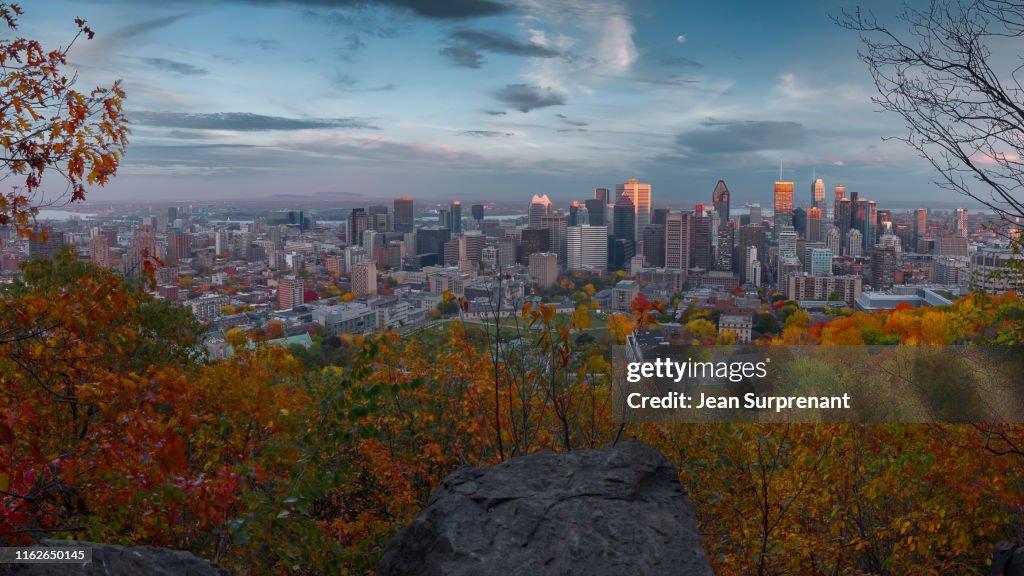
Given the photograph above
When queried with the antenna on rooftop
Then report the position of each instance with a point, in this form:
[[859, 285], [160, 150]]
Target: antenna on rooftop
[[780, 169]]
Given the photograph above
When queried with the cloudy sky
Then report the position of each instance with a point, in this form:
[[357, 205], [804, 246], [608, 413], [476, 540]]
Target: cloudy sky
[[485, 99]]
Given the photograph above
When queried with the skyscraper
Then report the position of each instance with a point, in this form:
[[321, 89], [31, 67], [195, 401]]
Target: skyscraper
[[720, 198], [364, 278], [356, 224], [404, 215], [478, 212], [783, 206], [540, 206], [588, 247], [678, 240], [814, 225], [624, 221], [596, 209], [840, 193], [726, 241], [701, 248], [557, 225], [920, 226], [290, 292], [654, 245], [884, 261], [960, 222], [179, 246], [456, 216], [604, 195], [640, 195], [818, 194]]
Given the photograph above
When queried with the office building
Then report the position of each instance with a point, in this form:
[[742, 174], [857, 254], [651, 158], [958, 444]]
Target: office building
[[540, 206], [544, 268], [720, 198], [290, 292], [640, 196], [587, 247]]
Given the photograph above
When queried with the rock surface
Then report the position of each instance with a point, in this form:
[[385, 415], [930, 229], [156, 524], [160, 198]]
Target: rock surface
[[613, 511], [110, 560]]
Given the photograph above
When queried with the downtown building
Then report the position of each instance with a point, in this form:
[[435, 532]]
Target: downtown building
[[587, 248], [803, 287]]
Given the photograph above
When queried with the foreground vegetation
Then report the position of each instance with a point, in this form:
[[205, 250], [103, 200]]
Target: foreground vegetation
[[116, 428]]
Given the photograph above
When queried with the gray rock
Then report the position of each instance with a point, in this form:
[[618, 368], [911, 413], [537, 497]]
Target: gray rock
[[613, 511], [111, 560]]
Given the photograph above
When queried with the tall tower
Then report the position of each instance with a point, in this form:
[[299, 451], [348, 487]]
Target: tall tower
[[403, 215], [540, 206], [678, 234], [456, 215], [920, 226], [624, 221], [818, 194], [960, 222], [783, 205], [840, 193], [720, 198], [640, 195], [604, 195], [814, 232]]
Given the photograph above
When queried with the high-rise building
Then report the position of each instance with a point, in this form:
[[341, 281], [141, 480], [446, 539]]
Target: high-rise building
[[783, 206], [726, 242], [596, 210], [356, 223], [884, 262], [540, 206], [720, 198], [840, 193], [45, 243], [179, 246], [557, 225], [99, 252], [821, 262], [455, 211], [952, 245], [752, 266], [544, 268], [814, 225], [845, 221], [587, 247], [960, 222], [920, 226], [749, 236], [404, 215], [533, 240], [577, 213], [818, 194], [834, 240], [678, 240], [640, 195], [854, 243], [604, 195], [800, 221], [658, 216], [624, 221], [755, 215], [701, 249], [290, 292], [654, 245], [478, 213], [364, 278], [871, 225]]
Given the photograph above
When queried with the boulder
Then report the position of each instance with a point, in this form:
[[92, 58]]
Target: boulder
[[613, 511], [111, 560]]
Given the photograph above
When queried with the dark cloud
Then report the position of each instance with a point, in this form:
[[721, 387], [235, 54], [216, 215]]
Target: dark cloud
[[241, 121], [565, 130], [464, 56], [433, 9], [143, 27], [499, 42], [742, 136], [183, 68], [348, 83], [570, 121], [496, 113], [485, 133], [524, 97]]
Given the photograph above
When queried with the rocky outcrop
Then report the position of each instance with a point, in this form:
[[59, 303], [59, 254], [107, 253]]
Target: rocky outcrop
[[110, 560], [613, 511], [1007, 560]]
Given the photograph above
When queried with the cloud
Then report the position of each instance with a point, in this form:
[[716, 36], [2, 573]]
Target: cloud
[[524, 97], [743, 136], [143, 27], [182, 68], [571, 122], [464, 56], [347, 83], [616, 48], [499, 42], [265, 44], [241, 121], [432, 9], [680, 61], [790, 87], [485, 133], [681, 39], [496, 113]]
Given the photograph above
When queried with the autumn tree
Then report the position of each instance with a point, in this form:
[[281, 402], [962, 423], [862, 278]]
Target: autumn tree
[[52, 135]]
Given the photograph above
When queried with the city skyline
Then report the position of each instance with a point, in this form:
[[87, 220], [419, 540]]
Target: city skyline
[[338, 101]]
